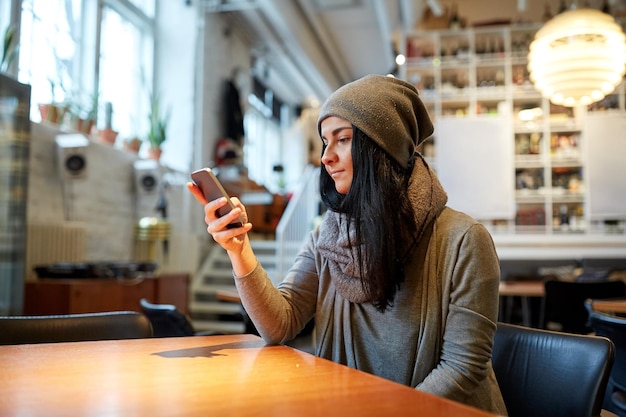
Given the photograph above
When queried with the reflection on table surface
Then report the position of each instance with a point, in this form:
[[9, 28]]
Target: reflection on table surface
[[198, 376]]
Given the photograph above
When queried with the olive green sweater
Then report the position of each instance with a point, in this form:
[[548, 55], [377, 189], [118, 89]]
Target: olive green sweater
[[437, 336]]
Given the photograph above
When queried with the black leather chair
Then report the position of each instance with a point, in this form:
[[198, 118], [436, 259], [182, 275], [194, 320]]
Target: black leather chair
[[551, 374], [112, 325], [168, 321], [564, 303], [614, 328]]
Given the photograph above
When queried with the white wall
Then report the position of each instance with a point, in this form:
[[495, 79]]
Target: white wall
[[222, 52], [105, 201]]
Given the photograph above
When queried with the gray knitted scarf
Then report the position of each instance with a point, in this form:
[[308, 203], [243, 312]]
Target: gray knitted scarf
[[427, 197]]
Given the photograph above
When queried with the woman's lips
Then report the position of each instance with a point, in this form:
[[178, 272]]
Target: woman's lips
[[336, 173]]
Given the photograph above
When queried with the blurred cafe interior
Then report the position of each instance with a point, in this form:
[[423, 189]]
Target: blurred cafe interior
[[107, 106]]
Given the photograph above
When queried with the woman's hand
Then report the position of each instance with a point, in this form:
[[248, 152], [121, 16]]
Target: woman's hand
[[231, 239], [197, 193]]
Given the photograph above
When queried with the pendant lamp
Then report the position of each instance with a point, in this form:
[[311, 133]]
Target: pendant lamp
[[578, 57]]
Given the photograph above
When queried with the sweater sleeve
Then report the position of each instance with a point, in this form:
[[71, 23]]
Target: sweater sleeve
[[280, 313], [470, 323]]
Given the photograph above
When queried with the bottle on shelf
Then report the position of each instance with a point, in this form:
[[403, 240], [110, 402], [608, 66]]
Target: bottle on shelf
[[481, 46], [563, 217]]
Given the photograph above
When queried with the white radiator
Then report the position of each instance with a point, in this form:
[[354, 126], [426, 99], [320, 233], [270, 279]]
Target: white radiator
[[52, 243]]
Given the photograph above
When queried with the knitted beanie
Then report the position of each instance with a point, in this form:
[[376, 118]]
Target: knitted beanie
[[386, 109]]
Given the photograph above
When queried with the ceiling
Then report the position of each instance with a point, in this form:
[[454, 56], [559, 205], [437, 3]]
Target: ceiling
[[305, 49]]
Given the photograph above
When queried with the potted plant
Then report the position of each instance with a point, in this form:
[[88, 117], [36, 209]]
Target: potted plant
[[54, 111], [132, 144], [157, 133], [108, 135], [83, 113], [10, 47]]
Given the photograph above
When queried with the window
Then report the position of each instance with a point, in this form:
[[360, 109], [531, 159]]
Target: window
[[262, 148], [61, 60], [125, 72], [5, 15], [49, 51], [264, 121]]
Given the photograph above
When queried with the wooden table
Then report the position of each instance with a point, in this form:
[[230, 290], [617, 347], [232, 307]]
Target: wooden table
[[524, 290], [234, 375], [610, 305]]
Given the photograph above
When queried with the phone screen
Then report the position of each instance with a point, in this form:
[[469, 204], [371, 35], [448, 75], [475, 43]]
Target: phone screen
[[212, 189]]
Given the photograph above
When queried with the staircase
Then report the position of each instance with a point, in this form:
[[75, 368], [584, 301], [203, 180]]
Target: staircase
[[207, 312]]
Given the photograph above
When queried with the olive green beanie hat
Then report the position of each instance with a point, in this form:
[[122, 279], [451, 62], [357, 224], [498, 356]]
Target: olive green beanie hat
[[386, 109]]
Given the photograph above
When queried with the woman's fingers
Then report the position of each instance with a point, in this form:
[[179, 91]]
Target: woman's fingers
[[237, 203], [231, 239], [197, 193], [219, 223], [210, 210]]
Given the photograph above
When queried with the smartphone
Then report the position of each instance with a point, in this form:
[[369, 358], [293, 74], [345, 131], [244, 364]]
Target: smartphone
[[212, 189]]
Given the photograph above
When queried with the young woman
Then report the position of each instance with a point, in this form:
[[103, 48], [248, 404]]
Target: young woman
[[399, 285]]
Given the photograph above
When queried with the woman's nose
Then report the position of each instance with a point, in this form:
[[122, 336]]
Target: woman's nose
[[328, 156]]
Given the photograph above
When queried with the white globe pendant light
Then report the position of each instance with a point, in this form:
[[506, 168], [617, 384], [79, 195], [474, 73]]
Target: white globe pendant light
[[578, 57]]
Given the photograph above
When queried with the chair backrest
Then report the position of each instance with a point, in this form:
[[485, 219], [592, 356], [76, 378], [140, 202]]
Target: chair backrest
[[564, 302], [614, 328], [548, 373], [112, 325], [166, 319]]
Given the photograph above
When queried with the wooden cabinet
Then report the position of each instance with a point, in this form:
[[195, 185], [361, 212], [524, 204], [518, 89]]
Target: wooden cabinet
[[69, 296]]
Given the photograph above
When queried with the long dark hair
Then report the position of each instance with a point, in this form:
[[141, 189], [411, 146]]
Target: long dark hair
[[382, 215]]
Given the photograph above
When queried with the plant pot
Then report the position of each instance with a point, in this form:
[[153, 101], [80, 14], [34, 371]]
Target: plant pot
[[84, 125], [51, 113], [132, 145], [81, 125], [107, 135], [154, 153]]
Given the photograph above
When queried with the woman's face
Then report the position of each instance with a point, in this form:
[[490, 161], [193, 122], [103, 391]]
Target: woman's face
[[337, 157]]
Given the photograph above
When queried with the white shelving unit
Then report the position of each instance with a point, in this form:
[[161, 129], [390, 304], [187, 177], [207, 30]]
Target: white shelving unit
[[469, 76]]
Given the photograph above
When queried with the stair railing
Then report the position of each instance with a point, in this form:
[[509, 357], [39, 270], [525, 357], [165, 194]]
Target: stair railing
[[298, 220]]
